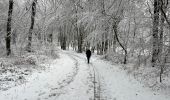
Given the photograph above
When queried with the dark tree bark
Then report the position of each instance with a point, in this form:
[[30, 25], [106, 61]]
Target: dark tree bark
[[63, 43], [106, 46], [114, 44], [121, 45], [102, 47], [62, 37], [32, 25], [160, 46], [163, 7], [80, 42], [80, 31], [155, 50], [8, 36]]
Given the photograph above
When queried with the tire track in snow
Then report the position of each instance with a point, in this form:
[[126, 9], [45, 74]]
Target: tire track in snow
[[96, 80], [81, 87], [69, 78], [56, 92], [96, 83]]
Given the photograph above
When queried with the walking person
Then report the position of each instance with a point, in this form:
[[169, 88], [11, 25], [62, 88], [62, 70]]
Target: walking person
[[88, 55]]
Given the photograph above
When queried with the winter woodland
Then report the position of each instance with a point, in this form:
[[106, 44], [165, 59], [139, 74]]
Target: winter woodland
[[43, 45]]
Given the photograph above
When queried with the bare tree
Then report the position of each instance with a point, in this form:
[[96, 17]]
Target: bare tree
[[155, 33], [8, 36], [32, 25]]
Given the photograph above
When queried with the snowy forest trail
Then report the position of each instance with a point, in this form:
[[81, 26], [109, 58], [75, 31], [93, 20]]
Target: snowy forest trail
[[45, 85], [71, 78], [112, 83], [92, 78]]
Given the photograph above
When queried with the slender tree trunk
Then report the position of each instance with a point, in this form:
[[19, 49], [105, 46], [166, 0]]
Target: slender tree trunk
[[63, 37], [160, 47], [32, 25], [8, 36], [80, 31], [102, 47], [114, 43], [64, 43], [155, 51], [106, 46], [124, 49], [164, 4], [98, 48], [80, 39]]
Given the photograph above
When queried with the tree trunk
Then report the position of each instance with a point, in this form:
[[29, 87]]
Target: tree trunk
[[162, 57], [125, 51], [80, 38], [98, 48], [114, 44], [106, 46], [80, 42], [160, 47], [101, 47], [63, 45], [155, 51], [62, 37], [32, 26], [8, 36]]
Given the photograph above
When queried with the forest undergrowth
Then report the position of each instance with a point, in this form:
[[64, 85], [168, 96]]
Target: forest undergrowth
[[15, 69]]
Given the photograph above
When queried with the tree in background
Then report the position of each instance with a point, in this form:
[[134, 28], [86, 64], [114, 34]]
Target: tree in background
[[155, 32], [8, 36], [32, 25]]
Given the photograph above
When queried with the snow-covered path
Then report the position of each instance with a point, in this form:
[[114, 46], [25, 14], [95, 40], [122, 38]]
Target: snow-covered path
[[71, 78], [118, 85], [112, 83], [47, 84]]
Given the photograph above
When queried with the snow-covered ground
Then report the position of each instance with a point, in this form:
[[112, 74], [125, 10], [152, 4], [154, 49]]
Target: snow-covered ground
[[118, 85], [69, 77]]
